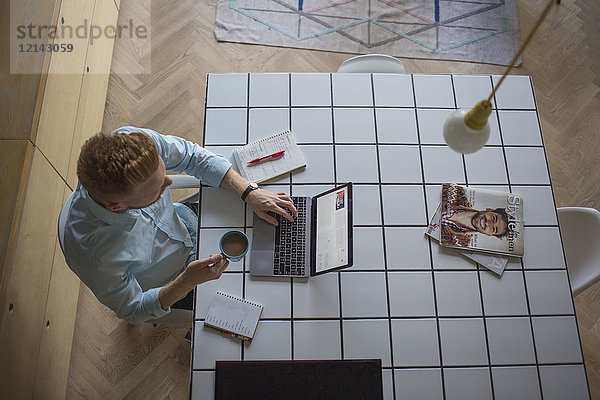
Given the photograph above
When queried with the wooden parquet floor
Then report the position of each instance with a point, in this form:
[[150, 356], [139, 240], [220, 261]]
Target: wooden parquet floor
[[114, 360]]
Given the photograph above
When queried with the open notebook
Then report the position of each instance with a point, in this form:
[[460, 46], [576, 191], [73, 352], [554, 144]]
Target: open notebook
[[233, 316], [292, 158]]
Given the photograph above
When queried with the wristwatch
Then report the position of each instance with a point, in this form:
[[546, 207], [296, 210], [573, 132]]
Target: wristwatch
[[251, 186]]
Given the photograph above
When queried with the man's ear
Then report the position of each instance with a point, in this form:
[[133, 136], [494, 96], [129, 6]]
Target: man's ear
[[112, 206]]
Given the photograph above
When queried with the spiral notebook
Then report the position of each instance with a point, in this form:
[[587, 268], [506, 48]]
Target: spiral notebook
[[259, 172], [233, 316]]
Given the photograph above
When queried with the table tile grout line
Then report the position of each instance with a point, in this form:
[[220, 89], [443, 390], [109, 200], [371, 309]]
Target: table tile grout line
[[338, 273], [379, 226], [341, 319], [499, 316], [408, 269], [437, 269], [192, 358], [485, 328], [431, 263], [533, 341], [477, 272], [385, 226], [292, 337], [289, 106], [373, 183], [451, 367], [383, 237], [562, 246], [508, 178], [333, 132], [399, 144], [358, 106], [244, 280]]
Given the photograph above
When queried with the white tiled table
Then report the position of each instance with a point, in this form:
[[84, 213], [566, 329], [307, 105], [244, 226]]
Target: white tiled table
[[443, 327]]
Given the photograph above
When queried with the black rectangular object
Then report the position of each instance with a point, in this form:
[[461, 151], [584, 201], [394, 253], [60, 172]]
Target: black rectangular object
[[313, 250], [299, 379]]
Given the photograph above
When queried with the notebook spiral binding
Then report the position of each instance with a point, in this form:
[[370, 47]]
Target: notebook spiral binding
[[265, 139], [239, 299]]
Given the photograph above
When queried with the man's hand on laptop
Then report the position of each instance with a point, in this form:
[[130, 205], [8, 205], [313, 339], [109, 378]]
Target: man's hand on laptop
[[264, 201]]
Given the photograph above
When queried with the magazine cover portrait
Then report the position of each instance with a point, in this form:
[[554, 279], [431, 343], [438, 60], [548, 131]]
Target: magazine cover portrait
[[482, 220]]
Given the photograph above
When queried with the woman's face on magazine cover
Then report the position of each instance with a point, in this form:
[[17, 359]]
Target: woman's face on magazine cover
[[489, 222]]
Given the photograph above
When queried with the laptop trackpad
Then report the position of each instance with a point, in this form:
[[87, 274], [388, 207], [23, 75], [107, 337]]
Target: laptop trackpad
[[261, 263], [263, 247], [263, 235]]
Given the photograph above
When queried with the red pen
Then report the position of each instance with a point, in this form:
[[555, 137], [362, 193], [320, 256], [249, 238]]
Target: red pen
[[274, 155]]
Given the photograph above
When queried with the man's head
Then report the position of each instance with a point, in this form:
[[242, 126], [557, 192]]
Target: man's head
[[122, 171], [491, 222]]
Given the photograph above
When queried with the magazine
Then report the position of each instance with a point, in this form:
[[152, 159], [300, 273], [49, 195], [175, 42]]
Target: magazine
[[494, 263], [481, 220]]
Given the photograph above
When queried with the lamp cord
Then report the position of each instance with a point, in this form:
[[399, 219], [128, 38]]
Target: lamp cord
[[523, 46]]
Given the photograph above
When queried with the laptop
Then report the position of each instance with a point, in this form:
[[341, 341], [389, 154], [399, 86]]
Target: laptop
[[319, 241]]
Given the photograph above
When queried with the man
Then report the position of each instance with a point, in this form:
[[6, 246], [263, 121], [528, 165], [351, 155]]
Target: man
[[125, 238], [461, 220], [491, 222]]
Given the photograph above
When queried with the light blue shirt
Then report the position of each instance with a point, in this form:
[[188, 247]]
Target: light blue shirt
[[126, 257]]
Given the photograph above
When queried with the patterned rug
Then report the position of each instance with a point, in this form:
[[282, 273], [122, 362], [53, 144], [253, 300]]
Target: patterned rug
[[464, 30]]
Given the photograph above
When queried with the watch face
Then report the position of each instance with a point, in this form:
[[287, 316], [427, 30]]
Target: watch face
[[253, 185]]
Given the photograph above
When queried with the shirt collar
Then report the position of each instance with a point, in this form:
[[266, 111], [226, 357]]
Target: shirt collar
[[125, 219]]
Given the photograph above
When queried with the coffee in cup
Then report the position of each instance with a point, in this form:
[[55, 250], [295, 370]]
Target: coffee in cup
[[234, 245]]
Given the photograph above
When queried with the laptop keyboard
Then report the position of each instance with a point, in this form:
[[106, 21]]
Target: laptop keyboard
[[290, 242]]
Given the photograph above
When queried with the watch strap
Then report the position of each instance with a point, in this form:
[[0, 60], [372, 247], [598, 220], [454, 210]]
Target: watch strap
[[247, 191]]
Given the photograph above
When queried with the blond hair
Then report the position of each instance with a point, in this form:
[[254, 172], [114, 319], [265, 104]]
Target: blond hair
[[113, 165]]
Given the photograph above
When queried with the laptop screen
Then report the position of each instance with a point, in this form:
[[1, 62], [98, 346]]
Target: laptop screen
[[333, 242]]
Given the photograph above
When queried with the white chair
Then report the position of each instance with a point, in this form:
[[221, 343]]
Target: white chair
[[580, 229], [372, 63], [179, 317]]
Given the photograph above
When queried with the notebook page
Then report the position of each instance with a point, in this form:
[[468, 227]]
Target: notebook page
[[233, 314], [262, 171]]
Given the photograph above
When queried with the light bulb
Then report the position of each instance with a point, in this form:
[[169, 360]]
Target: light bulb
[[467, 131]]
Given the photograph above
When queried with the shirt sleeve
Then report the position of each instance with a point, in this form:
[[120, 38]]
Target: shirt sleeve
[[118, 289], [181, 155]]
